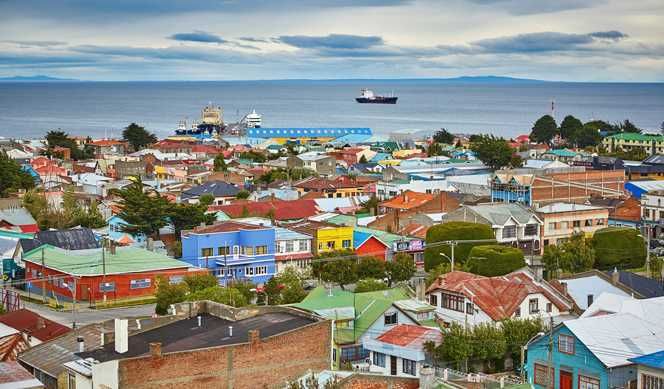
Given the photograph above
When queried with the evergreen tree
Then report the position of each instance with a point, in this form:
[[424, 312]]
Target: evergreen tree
[[220, 163], [144, 211], [138, 137], [12, 176], [401, 268], [493, 152], [443, 136], [569, 128], [544, 130]]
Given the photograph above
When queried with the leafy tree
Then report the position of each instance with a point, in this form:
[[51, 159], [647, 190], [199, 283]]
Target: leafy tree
[[488, 342], [516, 161], [253, 156], [12, 176], [199, 282], [144, 211], [242, 195], [573, 256], [245, 287], [220, 163], [494, 260], [371, 267], [227, 296], [34, 202], [371, 205], [443, 136], [569, 127], [544, 129], [493, 152], [456, 346], [168, 294], [587, 136], [138, 137], [90, 217], [401, 268], [369, 285], [623, 248], [59, 138], [435, 150], [338, 271], [627, 126], [285, 288], [454, 231], [518, 331], [436, 272]]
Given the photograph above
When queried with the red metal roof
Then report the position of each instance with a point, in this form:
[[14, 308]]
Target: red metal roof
[[405, 335], [498, 297], [226, 226], [280, 209], [33, 324], [408, 200], [13, 372]]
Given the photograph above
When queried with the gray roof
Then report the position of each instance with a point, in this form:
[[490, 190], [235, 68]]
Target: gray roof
[[215, 188], [498, 214], [656, 159], [74, 239], [17, 216]]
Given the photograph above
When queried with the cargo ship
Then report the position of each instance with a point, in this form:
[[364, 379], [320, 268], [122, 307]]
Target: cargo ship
[[212, 123], [367, 96]]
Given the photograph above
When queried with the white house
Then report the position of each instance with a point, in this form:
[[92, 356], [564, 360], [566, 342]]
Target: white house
[[400, 350], [466, 298], [388, 189]]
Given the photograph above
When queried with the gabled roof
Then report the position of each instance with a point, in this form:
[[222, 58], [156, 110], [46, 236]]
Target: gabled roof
[[33, 324], [498, 297], [654, 360], [17, 216], [279, 209], [215, 188], [13, 375], [410, 336], [500, 213], [408, 200], [646, 287], [72, 239]]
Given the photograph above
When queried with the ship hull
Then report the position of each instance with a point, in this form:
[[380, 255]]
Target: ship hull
[[377, 100]]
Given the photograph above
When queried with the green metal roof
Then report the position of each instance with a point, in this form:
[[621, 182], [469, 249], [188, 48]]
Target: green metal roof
[[562, 153], [632, 136], [385, 237], [366, 308], [91, 263], [15, 234], [343, 220]]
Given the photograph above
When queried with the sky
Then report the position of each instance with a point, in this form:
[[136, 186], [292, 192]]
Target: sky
[[565, 40]]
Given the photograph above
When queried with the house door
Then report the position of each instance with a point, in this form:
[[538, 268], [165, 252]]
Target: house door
[[393, 365], [565, 380]]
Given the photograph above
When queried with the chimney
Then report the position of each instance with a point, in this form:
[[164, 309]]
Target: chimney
[[230, 331], [111, 248], [155, 349], [615, 276], [427, 377], [138, 324], [420, 288], [121, 336], [81, 344], [254, 337], [200, 320], [564, 285], [150, 244]]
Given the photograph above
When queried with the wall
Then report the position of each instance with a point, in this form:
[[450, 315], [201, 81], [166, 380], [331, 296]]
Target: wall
[[336, 235], [268, 363], [366, 381], [582, 361], [462, 318], [372, 247], [553, 234]]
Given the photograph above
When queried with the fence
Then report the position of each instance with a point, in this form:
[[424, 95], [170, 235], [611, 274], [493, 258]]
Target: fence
[[475, 380]]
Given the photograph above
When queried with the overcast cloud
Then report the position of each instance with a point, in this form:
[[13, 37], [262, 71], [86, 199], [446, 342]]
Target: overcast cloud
[[572, 40]]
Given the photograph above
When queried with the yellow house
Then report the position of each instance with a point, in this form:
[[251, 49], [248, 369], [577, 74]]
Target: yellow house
[[342, 186], [327, 237]]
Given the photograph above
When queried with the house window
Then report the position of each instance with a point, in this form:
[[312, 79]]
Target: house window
[[390, 318], [599, 222], [260, 270], [175, 279], [289, 246], [469, 308], [345, 243], [107, 287], [566, 344], [433, 300], [207, 252], [509, 232], [330, 245], [530, 230], [379, 359], [533, 305], [549, 307], [304, 245], [353, 353], [261, 250], [590, 299], [248, 250], [588, 382], [224, 250], [576, 223], [517, 313], [651, 382], [452, 302], [588, 223], [540, 375], [552, 226], [139, 284], [409, 367], [71, 381]]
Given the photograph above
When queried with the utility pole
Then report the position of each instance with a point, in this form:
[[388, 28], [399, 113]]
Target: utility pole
[[648, 250], [73, 306], [43, 276], [550, 375]]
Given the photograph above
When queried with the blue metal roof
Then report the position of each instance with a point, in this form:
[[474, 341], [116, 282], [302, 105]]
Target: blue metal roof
[[654, 360], [289, 132]]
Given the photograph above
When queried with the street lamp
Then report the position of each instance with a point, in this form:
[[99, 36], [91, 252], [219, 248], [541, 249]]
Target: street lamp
[[524, 348], [449, 259]]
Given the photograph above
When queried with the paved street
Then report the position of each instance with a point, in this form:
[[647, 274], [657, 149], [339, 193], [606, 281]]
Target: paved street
[[85, 315]]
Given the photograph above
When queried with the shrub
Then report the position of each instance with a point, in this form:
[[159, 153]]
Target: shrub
[[618, 247], [369, 285], [218, 294], [200, 281], [494, 260], [168, 294], [453, 231]]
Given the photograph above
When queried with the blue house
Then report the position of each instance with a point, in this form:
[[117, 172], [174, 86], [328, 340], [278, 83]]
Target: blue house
[[594, 352], [232, 251], [116, 234]]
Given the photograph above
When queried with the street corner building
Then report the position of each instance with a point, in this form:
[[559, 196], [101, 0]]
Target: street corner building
[[99, 274], [209, 345]]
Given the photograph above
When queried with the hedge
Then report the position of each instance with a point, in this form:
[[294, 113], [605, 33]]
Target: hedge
[[494, 260], [619, 247], [453, 231]]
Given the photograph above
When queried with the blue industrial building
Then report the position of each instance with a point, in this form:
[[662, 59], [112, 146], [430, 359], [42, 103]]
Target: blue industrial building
[[232, 251], [306, 133]]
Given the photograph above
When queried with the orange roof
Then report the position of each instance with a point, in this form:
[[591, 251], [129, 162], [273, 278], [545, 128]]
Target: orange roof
[[125, 239], [107, 142], [415, 229], [405, 335], [408, 200]]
